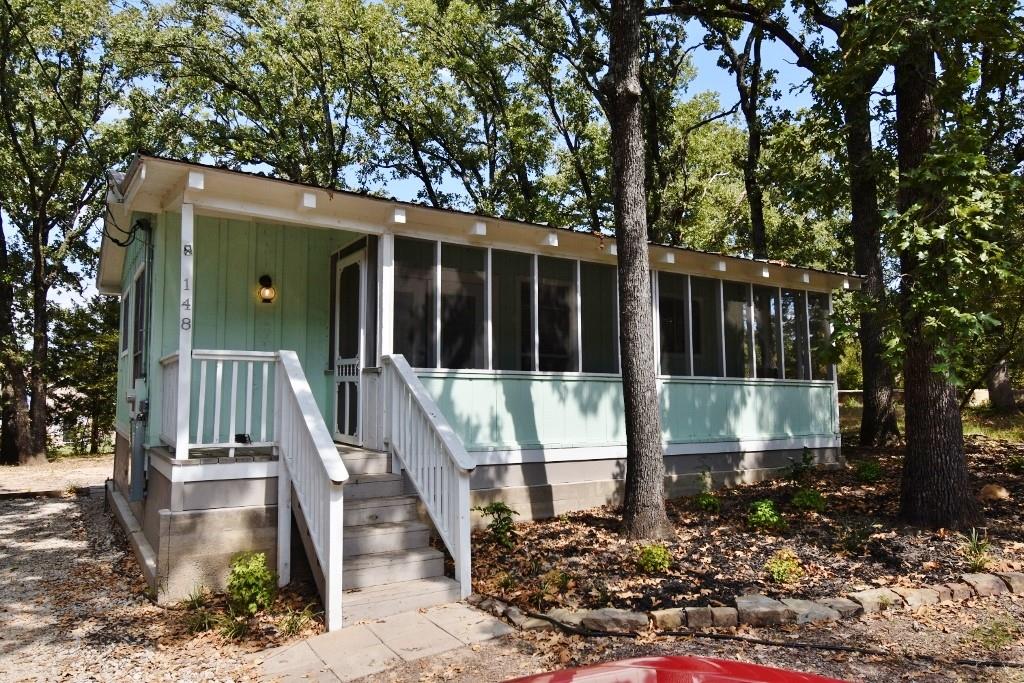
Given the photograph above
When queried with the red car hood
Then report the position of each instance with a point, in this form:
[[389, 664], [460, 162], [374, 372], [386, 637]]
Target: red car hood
[[675, 670]]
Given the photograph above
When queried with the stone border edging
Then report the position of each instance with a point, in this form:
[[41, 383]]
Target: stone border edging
[[760, 610]]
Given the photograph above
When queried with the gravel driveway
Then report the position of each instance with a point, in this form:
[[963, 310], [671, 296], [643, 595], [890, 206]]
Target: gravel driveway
[[72, 605]]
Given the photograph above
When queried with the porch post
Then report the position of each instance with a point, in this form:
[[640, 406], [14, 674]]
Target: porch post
[[181, 441], [386, 254]]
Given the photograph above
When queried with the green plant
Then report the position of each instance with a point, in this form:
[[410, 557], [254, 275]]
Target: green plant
[[199, 620], [555, 582], [706, 500], [294, 622], [853, 537], [997, 633], [1015, 464], [251, 584], [653, 559], [501, 526], [196, 599], [232, 625], [507, 581], [784, 566], [800, 471], [868, 471], [763, 516], [809, 499], [975, 550]]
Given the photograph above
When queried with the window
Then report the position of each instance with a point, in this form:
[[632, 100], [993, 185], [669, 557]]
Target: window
[[706, 326], [766, 331], [415, 305], [556, 314], [675, 356], [512, 310], [736, 297], [599, 316], [794, 335], [139, 327], [821, 343], [463, 307]]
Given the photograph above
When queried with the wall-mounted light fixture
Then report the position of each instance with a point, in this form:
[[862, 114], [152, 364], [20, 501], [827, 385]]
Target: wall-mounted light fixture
[[266, 292]]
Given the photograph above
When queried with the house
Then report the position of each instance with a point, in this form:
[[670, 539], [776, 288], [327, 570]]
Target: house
[[350, 375]]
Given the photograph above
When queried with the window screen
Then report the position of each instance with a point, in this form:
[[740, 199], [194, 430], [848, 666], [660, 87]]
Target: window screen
[[821, 343], [463, 306], [415, 290], [599, 315], [139, 327], [556, 314], [512, 310], [675, 356], [737, 329], [766, 331], [706, 321], [794, 334]]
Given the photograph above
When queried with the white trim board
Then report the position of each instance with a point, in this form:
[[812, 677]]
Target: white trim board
[[520, 456], [213, 471]]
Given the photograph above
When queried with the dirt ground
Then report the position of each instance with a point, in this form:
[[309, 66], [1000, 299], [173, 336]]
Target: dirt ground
[[59, 475]]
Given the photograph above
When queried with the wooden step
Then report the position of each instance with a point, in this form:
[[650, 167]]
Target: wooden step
[[385, 537], [386, 509], [377, 602], [379, 569], [362, 486], [362, 461]]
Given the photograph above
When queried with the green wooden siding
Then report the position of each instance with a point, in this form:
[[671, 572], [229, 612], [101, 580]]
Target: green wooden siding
[[498, 411]]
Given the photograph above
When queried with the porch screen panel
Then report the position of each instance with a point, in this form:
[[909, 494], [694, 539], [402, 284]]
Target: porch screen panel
[[794, 335], [599, 316], [675, 355], [415, 322], [705, 320], [766, 331], [463, 307], [737, 329], [512, 310], [556, 314], [821, 343]]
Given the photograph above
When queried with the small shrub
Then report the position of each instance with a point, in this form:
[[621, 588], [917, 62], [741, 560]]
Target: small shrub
[[809, 499], [501, 526], [199, 620], [975, 550], [853, 538], [251, 584], [1015, 464], [764, 517], [653, 559], [784, 566], [232, 625], [507, 581], [708, 502], [294, 622], [997, 634], [196, 599], [555, 582], [799, 472], [868, 471]]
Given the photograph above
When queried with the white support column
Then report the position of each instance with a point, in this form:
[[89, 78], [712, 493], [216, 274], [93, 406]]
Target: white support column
[[284, 524], [489, 313], [386, 258], [333, 571], [463, 563], [185, 319], [437, 306]]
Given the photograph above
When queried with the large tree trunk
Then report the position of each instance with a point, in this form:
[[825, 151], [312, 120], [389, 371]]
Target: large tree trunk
[[16, 441], [878, 426], [643, 514], [38, 410], [935, 482], [1000, 389], [94, 435]]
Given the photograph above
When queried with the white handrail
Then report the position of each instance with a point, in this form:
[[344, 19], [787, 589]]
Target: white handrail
[[309, 463], [434, 458]]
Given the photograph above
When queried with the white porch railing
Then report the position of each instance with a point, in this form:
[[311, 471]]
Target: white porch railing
[[169, 398], [434, 458], [308, 460], [225, 417]]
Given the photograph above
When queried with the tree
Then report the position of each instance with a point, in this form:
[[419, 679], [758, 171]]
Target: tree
[[60, 79], [643, 514], [84, 371]]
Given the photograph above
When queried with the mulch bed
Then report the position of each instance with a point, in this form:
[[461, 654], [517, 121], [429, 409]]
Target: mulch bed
[[580, 560]]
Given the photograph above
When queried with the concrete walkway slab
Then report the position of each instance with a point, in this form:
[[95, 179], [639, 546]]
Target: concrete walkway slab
[[467, 624], [412, 636], [375, 646]]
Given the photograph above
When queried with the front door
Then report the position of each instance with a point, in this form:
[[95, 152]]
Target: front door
[[348, 357]]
